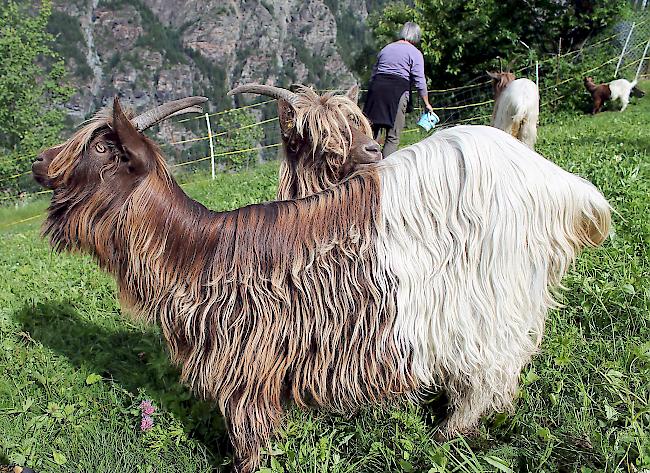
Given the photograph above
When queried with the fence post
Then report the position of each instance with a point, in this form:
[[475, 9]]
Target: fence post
[[207, 121], [557, 65], [537, 74], [627, 40], [645, 51]]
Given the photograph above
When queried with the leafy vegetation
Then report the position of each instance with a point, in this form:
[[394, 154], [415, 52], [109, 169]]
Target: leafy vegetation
[[460, 40], [233, 133], [32, 87], [75, 368]]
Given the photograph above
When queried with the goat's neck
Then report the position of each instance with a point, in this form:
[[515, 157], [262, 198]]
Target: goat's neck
[[591, 87], [164, 247], [174, 251]]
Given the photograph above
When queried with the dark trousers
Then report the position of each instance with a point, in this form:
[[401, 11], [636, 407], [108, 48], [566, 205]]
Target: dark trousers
[[391, 143]]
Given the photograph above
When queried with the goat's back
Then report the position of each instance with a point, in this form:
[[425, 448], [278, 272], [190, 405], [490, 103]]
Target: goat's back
[[476, 227], [516, 111], [621, 88]]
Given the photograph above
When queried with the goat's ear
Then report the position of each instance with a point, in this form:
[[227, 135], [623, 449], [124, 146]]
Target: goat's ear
[[287, 117], [353, 93], [493, 75], [133, 143]]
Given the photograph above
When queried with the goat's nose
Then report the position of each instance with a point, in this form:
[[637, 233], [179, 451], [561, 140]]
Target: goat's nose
[[372, 152], [371, 148]]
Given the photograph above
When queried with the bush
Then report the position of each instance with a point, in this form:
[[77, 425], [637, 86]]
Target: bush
[[460, 40]]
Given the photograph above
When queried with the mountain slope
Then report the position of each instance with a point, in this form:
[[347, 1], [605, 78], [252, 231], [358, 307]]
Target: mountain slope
[[149, 51]]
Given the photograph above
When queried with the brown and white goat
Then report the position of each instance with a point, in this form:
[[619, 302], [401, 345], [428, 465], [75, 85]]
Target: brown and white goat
[[516, 106], [619, 89], [415, 272]]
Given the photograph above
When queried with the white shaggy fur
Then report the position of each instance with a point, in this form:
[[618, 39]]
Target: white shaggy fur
[[516, 111], [621, 89], [476, 228]]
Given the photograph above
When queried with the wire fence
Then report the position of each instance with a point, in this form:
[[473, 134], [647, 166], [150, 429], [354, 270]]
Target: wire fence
[[624, 53]]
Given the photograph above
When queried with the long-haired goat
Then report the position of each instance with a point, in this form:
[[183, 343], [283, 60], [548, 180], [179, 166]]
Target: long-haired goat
[[259, 305], [516, 106], [619, 89], [476, 231], [430, 268]]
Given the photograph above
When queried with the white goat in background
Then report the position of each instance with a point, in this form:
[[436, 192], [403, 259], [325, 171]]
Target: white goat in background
[[516, 106]]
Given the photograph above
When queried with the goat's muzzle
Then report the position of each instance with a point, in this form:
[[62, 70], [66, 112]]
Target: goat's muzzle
[[372, 152], [364, 149], [41, 165]]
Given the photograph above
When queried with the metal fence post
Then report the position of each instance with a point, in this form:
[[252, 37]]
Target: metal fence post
[[207, 121], [627, 40], [557, 64], [645, 51]]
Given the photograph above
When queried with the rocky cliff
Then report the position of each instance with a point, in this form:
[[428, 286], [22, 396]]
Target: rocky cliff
[[149, 51]]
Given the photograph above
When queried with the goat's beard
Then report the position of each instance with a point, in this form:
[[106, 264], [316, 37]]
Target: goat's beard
[[83, 220], [62, 214], [321, 172]]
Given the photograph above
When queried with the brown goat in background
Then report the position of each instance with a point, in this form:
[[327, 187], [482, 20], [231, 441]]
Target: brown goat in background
[[618, 89], [599, 94]]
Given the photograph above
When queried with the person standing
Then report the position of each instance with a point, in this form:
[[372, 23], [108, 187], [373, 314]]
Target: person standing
[[387, 102]]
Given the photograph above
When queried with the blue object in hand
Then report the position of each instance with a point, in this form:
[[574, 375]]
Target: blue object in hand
[[428, 120]]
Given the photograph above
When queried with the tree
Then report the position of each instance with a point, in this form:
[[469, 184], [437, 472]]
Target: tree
[[463, 38], [32, 88]]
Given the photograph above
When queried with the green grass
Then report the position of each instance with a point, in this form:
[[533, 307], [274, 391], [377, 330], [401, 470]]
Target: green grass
[[73, 368]]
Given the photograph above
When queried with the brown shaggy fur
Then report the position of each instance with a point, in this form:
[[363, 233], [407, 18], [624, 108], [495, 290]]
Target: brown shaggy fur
[[259, 306]]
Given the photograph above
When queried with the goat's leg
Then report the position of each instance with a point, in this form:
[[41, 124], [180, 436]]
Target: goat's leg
[[624, 102], [469, 407], [477, 398], [250, 426], [597, 104]]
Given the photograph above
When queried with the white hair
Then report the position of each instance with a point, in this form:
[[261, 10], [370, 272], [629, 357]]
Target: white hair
[[516, 110], [621, 89], [477, 230], [410, 32]]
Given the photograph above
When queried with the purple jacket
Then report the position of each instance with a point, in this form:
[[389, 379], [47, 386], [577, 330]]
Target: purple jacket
[[404, 60]]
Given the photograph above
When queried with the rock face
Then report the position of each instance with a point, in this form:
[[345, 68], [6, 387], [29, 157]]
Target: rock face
[[149, 51]]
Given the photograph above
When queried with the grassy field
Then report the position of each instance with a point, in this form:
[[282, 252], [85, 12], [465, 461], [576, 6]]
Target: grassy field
[[74, 369]]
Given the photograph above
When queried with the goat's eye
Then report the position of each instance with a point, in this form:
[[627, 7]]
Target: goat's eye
[[100, 148]]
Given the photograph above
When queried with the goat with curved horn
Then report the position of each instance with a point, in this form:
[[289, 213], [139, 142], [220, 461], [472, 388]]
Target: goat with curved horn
[[268, 90], [166, 110], [326, 137]]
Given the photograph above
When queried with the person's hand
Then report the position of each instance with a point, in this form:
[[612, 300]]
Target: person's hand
[[428, 107]]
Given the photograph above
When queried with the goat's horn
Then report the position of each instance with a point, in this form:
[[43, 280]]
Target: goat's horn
[[192, 109], [268, 90], [166, 110]]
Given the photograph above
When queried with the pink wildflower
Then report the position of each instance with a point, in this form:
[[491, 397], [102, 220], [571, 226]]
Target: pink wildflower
[[147, 423], [147, 408]]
